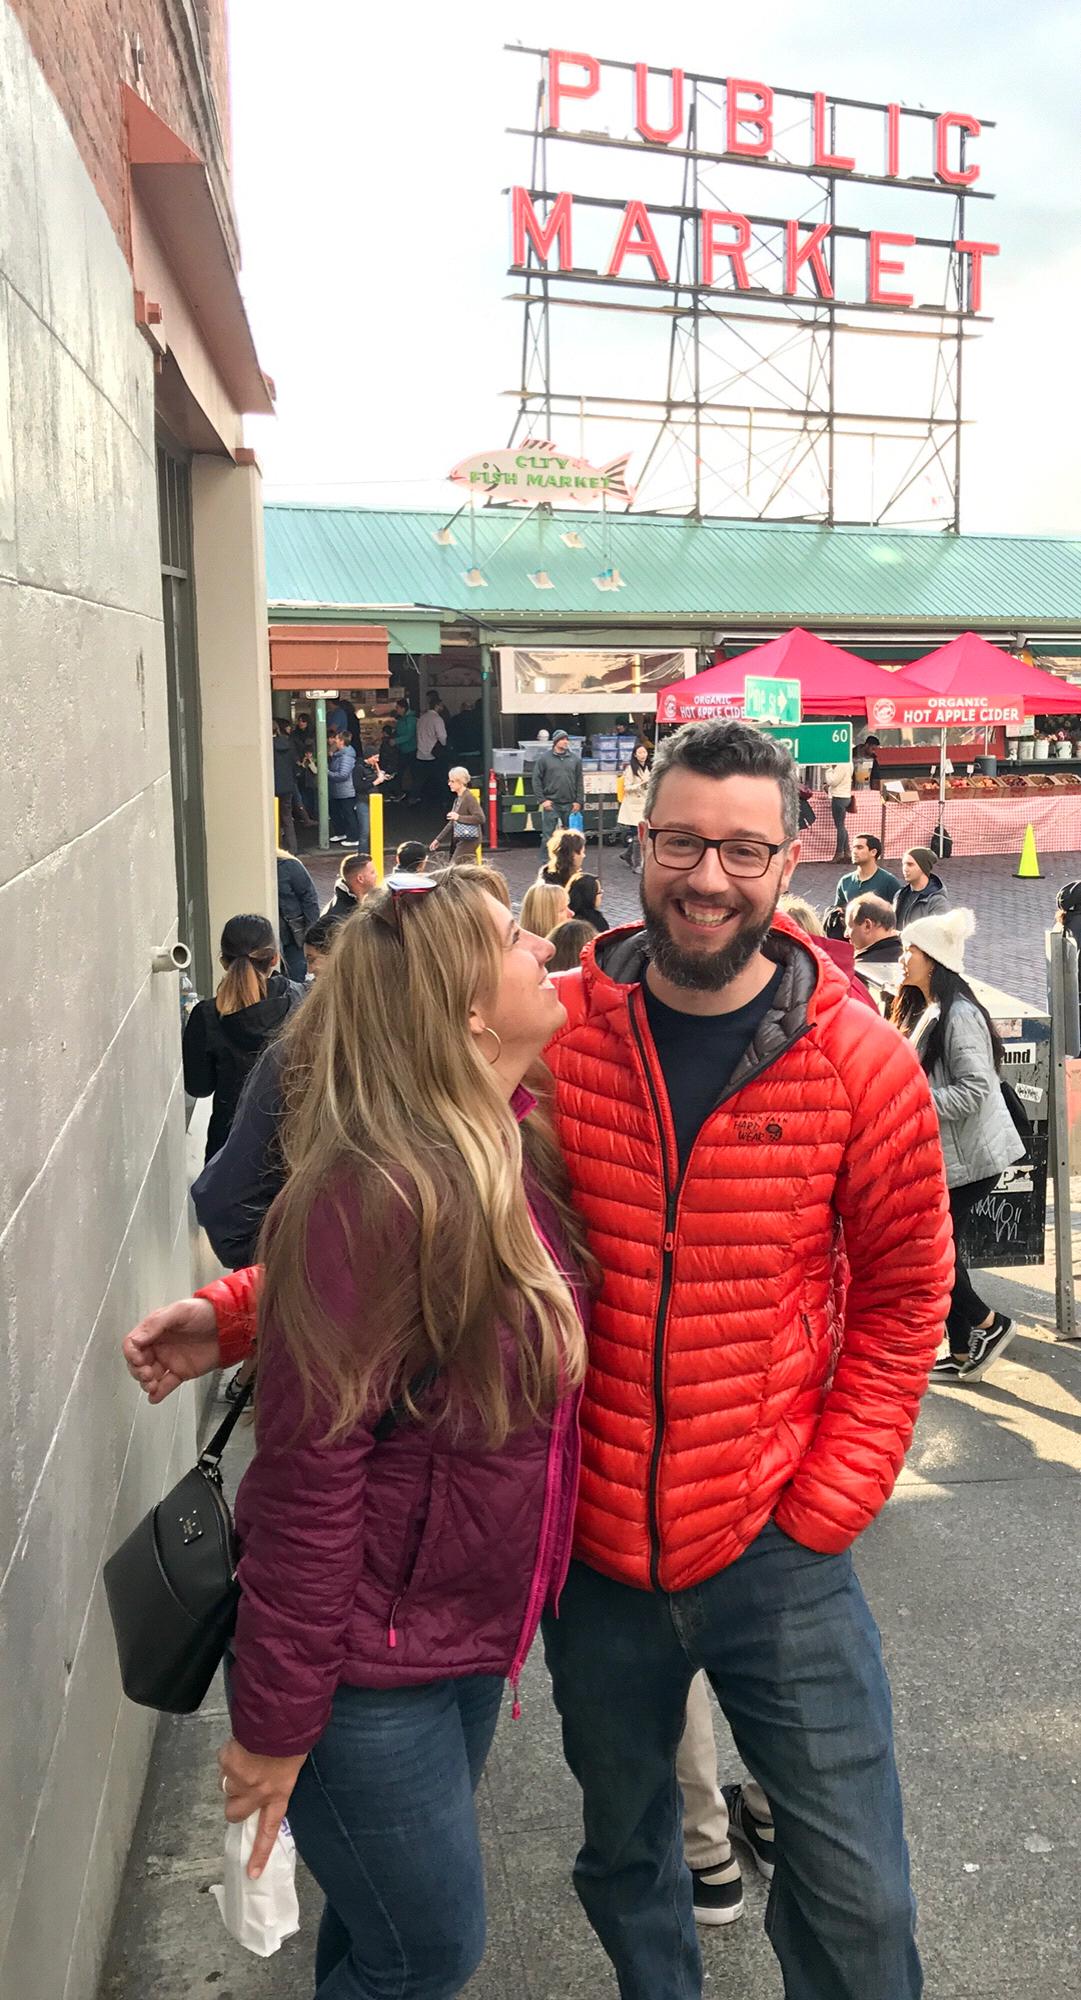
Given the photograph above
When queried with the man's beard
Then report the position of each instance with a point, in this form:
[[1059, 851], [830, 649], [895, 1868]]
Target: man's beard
[[707, 971]]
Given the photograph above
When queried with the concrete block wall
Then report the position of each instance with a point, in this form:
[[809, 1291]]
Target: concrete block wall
[[93, 1219]]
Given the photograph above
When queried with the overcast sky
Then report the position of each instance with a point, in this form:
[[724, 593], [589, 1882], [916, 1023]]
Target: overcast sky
[[370, 160]]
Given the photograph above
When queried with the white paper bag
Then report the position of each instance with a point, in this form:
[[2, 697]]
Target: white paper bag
[[260, 1915]]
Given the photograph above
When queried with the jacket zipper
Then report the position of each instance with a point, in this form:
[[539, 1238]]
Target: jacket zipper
[[557, 1445], [671, 1204], [672, 1194], [538, 1581]]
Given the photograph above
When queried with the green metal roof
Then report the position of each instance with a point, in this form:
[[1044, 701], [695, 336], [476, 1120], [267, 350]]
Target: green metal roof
[[714, 573]]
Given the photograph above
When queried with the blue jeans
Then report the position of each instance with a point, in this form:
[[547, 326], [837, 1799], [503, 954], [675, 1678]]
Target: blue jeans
[[794, 1657], [383, 1817], [363, 811]]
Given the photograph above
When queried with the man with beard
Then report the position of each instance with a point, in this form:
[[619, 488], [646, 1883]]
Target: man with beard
[[727, 1110], [728, 1113]]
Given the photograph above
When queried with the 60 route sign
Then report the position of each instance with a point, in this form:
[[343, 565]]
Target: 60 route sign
[[815, 742]]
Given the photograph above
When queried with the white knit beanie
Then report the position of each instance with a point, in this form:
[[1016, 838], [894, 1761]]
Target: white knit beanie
[[942, 936]]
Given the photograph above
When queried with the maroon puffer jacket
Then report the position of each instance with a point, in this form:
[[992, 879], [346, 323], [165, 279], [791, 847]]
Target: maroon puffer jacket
[[386, 1564]]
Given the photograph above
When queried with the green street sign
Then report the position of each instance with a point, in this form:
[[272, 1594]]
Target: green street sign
[[815, 742], [769, 700]]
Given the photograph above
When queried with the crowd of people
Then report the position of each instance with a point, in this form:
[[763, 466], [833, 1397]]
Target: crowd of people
[[450, 1181]]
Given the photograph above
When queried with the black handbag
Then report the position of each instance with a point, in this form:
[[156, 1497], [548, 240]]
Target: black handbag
[[172, 1586]]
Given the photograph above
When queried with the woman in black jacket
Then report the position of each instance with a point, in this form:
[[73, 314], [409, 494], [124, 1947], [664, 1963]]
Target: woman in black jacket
[[224, 1037], [298, 908], [582, 897]]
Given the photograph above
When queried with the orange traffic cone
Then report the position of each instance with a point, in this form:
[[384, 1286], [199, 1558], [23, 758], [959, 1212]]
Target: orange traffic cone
[[1028, 868]]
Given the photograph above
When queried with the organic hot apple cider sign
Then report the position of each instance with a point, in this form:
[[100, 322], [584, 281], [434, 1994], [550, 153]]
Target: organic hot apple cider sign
[[876, 262]]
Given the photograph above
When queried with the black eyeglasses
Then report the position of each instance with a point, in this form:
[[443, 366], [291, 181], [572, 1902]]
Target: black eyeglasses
[[400, 886], [743, 859]]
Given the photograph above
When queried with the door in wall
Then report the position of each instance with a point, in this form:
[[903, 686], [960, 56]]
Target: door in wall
[[185, 720]]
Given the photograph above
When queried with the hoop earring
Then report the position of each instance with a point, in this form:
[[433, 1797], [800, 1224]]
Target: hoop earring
[[492, 1060]]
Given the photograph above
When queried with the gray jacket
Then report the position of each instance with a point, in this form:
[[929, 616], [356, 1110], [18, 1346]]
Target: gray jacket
[[979, 1137], [558, 779]]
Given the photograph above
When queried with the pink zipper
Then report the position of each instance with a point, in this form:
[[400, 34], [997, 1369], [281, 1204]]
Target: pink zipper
[[539, 1581]]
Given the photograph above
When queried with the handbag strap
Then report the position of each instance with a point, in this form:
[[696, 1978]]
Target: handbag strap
[[399, 1409], [210, 1457]]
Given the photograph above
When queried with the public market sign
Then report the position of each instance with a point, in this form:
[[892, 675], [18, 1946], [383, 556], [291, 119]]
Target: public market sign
[[941, 712], [739, 123]]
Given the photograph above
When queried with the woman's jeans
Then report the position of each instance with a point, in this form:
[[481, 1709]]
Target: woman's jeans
[[796, 1663], [383, 1817], [343, 817], [967, 1308], [839, 809]]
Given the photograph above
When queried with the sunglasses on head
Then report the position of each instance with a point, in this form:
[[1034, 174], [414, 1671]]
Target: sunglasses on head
[[402, 886]]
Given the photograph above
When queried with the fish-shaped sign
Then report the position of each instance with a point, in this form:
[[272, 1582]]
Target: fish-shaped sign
[[537, 470]]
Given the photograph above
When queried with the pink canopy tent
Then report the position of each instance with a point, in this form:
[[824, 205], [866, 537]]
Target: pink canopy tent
[[832, 682], [970, 667]]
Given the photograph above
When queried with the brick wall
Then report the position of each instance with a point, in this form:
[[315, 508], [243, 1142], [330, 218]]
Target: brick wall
[[84, 48]]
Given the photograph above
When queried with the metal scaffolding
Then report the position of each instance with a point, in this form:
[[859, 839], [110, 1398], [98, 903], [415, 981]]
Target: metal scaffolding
[[744, 410]]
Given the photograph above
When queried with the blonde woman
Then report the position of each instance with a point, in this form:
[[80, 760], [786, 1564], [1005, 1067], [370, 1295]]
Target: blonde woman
[[544, 905], [464, 830], [421, 1342], [224, 1037]]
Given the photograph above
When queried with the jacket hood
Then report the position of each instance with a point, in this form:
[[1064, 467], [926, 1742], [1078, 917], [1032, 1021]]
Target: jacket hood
[[249, 1028], [811, 988]]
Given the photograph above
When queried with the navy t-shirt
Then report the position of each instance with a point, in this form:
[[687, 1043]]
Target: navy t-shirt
[[698, 1054]]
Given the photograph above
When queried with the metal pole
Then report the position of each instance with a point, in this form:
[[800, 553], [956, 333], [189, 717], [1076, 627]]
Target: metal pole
[[941, 788], [1063, 1007], [486, 711], [321, 780]]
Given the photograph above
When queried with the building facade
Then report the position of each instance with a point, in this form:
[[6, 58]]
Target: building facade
[[138, 810]]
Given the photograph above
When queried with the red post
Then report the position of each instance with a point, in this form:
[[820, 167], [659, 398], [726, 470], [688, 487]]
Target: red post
[[493, 811]]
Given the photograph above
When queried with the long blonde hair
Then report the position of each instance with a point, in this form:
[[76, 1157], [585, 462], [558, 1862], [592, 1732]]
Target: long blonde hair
[[544, 905], [388, 1100]]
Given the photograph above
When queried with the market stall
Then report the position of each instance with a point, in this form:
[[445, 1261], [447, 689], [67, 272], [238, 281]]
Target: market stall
[[972, 706]]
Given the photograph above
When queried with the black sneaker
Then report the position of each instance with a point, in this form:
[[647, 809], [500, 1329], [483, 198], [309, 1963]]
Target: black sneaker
[[718, 1893], [947, 1368], [985, 1344], [755, 1833]]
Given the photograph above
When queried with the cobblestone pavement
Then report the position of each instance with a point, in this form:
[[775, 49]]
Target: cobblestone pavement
[[1012, 916]]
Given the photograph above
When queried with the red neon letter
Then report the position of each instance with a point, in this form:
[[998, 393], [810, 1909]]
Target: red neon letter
[[796, 254], [526, 222], [893, 141], [841, 161], [717, 218], [880, 267], [646, 244], [557, 89], [977, 252], [759, 115], [943, 126], [641, 92]]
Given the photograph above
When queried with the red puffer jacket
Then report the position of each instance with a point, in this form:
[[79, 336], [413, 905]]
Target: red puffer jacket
[[730, 1377]]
